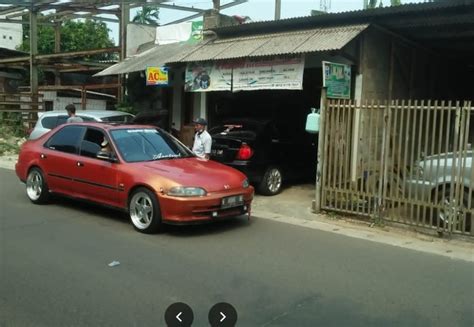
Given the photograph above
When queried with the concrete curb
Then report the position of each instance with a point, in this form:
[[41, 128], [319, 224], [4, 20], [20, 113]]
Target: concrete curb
[[8, 162], [454, 249]]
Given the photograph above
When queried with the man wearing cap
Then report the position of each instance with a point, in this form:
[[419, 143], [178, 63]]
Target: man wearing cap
[[202, 139]]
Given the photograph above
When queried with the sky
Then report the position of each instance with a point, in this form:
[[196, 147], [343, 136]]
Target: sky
[[258, 10]]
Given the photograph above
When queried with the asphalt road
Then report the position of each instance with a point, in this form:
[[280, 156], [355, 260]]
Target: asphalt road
[[54, 272]]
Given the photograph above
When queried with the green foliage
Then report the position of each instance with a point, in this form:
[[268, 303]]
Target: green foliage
[[11, 132], [11, 124], [126, 106], [75, 36], [148, 15]]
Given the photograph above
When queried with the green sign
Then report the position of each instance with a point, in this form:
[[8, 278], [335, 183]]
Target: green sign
[[196, 32], [337, 80]]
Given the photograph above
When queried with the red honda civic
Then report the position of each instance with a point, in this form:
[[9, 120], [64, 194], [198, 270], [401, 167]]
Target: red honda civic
[[140, 169]]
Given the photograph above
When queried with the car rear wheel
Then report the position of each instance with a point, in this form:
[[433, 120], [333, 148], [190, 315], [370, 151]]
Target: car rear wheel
[[144, 211], [450, 211], [36, 188], [271, 182]]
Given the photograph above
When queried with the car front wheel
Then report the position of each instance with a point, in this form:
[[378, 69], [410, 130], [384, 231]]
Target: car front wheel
[[271, 182], [36, 188], [144, 211]]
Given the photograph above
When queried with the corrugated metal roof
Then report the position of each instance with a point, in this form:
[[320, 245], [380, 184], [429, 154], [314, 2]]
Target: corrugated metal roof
[[311, 40], [296, 42], [156, 56], [356, 16]]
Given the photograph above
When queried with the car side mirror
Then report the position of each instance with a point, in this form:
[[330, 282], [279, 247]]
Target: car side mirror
[[107, 156]]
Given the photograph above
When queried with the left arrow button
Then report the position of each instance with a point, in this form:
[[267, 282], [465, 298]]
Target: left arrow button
[[179, 315]]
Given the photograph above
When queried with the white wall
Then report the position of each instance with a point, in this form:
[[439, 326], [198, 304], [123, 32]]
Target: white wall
[[11, 35], [60, 103]]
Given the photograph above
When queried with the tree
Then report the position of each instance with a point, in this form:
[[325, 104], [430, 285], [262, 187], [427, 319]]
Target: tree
[[75, 36], [148, 15]]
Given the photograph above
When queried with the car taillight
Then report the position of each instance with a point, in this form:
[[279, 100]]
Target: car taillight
[[245, 152]]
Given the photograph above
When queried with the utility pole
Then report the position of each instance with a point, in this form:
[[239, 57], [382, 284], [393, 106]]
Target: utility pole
[[277, 9], [217, 4]]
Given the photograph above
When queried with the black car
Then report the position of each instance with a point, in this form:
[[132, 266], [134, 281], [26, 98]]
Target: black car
[[269, 153]]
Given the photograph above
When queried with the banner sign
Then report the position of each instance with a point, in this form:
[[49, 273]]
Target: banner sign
[[157, 76], [246, 75], [190, 32], [205, 77], [337, 79]]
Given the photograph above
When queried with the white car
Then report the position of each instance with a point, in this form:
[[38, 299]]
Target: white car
[[50, 119]]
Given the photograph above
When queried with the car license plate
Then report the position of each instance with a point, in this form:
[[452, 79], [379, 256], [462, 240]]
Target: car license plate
[[232, 201]]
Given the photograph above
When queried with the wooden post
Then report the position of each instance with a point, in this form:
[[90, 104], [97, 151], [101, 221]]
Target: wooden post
[[33, 67], [320, 160], [57, 49], [124, 20], [83, 98], [216, 4]]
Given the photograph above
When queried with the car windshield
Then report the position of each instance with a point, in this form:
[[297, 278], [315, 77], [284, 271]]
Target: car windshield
[[148, 144]]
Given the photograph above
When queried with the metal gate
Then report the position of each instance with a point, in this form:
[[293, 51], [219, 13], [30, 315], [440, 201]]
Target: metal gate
[[404, 161]]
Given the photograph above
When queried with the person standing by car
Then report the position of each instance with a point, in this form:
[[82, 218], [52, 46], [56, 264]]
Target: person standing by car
[[202, 139], [71, 112]]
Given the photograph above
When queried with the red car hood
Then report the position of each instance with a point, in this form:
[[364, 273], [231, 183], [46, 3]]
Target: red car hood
[[210, 175]]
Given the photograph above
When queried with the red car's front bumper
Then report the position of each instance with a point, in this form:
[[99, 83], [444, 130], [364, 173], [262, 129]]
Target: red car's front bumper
[[183, 210]]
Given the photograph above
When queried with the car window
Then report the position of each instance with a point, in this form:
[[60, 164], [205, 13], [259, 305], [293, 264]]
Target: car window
[[66, 139], [147, 144], [90, 146], [62, 120], [49, 122]]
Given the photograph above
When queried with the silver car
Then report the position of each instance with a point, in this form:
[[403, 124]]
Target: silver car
[[50, 119], [447, 181]]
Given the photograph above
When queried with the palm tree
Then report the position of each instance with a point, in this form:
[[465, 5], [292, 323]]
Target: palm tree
[[148, 15]]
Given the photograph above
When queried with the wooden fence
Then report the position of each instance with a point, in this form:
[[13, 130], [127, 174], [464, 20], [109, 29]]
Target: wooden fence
[[25, 103]]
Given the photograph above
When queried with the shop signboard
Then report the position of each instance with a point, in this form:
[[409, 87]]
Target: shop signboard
[[246, 75], [157, 76], [337, 80]]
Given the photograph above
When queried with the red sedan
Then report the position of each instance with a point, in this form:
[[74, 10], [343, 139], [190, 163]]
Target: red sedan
[[140, 169]]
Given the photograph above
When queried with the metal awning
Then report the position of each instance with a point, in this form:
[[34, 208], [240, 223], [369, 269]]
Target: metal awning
[[273, 44], [156, 56]]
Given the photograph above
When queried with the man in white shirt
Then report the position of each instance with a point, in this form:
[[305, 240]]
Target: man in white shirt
[[71, 111], [202, 139]]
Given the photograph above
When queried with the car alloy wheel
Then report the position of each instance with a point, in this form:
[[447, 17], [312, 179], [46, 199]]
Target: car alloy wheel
[[36, 188], [451, 212], [271, 182], [144, 211]]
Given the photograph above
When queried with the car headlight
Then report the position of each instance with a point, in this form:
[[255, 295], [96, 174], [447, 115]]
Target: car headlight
[[245, 183], [186, 191]]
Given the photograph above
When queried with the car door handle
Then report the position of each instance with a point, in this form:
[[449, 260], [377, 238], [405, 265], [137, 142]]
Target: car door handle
[[43, 156], [79, 164]]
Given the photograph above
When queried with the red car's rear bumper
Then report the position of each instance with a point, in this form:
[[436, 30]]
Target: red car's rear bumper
[[177, 210]]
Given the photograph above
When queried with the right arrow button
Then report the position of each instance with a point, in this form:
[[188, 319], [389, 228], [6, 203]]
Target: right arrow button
[[222, 315]]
